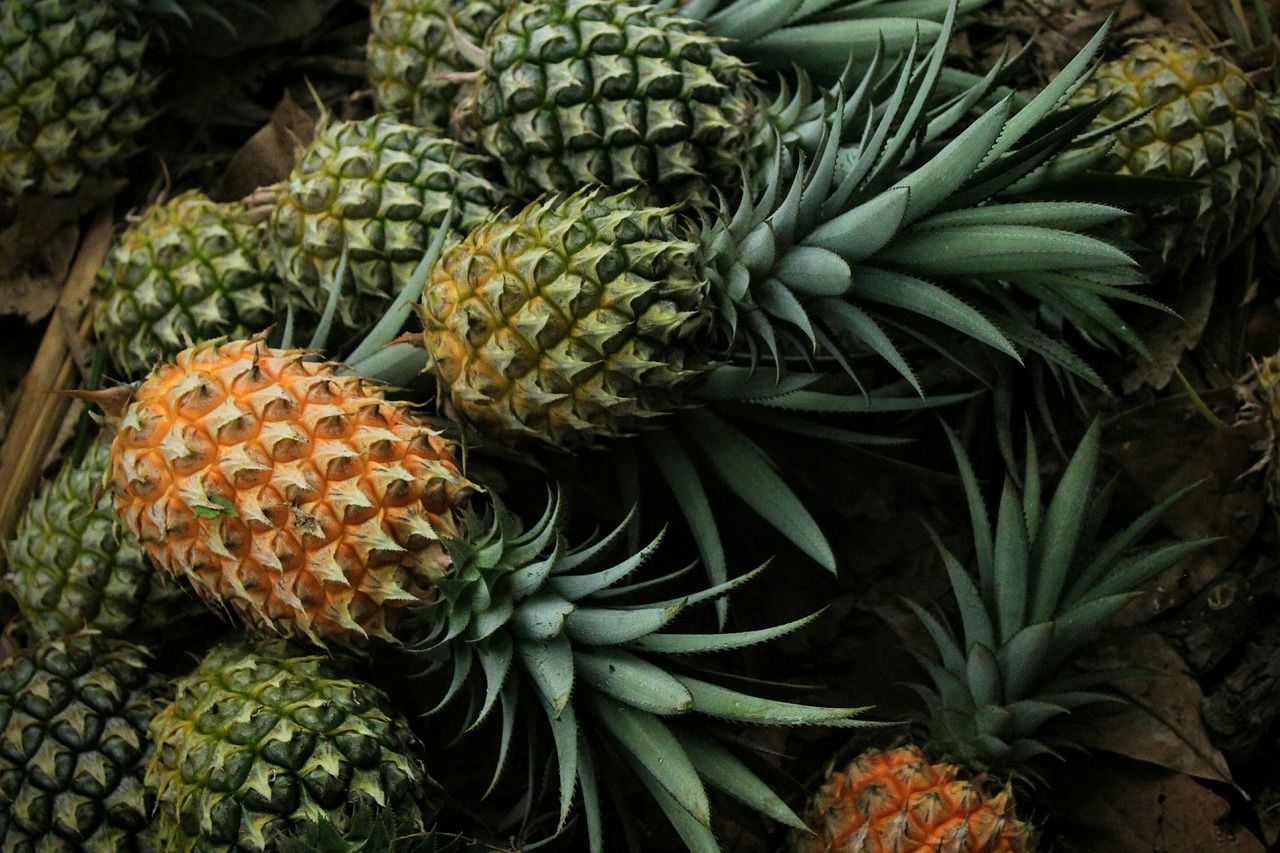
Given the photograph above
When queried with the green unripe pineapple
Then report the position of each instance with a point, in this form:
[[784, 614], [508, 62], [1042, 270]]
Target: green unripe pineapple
[[71, 566], [376, 189], [1209, 124], [412, 48], [73, 95], [570, 320], [74, 712], [261, 739], [580, 92], [186, 271]]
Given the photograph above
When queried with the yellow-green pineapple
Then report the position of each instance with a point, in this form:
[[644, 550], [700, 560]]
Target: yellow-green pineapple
[[262, 738], [74, 93], [621, 94], [185, 271], [1207, 123], [413, 52], [372, 191], [71, 566]]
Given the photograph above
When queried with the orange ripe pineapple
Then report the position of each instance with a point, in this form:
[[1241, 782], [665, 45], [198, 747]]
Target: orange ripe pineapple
[[301, 499], [897, 802], [1046, 586]]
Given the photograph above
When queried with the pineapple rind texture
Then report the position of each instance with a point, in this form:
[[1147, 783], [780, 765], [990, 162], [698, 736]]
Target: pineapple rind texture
[[71, 566], [1209, 124], [576, 318], [261, 738], [186, 271], [582, 92], [376, 189], [300, 500], [73, 97], [74, 712], [896, 801], [411, 49]]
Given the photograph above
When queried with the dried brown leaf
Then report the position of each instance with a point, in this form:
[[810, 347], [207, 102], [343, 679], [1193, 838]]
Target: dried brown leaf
[[1161, 722], [269, 155], [1121, 806]]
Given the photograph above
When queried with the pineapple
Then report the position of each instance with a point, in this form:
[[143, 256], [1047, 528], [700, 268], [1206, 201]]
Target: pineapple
[[594, 315], [370, 191], [300, 499], [582, 316], [1045, 589], [1207, 123], [894, 800], [621, 94], [74, 712], [412, 52], [262, 739], [71, 567], [74, 95], [304, 502], [186, 271]]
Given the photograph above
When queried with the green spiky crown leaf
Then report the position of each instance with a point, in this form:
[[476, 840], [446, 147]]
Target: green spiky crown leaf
[[1047, 586], [528, 625]]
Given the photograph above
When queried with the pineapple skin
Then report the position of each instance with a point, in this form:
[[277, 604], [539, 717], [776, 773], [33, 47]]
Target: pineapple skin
[[897, 801], [376, 189], [73, 97], [410, 50], [186, 271], [71, 566], [261, 738], [300, 500], [582, 92], [74, 712], [575, 319], [1209, 124]]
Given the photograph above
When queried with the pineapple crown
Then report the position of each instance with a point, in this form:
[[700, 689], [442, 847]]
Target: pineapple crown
[[587, 650], [370, 830], [1046, 588]]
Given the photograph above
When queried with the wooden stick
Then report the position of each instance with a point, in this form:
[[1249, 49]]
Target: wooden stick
[[40, 410]]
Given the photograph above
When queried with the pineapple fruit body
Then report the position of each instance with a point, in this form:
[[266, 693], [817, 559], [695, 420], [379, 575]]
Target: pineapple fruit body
[[74, 712], [412, 50], [1208, 123], [569, 321], [74, 94], [260, 739], [896, 801], [299, 499], [581, 92], [71, 566], [186, 271], [374, 190]]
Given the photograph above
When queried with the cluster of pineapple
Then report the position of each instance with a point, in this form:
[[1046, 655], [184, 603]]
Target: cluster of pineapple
[[669, 232]]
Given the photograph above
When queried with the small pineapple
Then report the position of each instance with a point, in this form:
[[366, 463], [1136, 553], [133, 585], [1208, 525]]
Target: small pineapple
[[299, 498], [1045, 590], [896, 800], [185, 271], [262, 739], [373, 190], [1207, 123], [74, 95], [570, 320], [71, 566], [412, 51], [579, 92], [74, 712], [304, 502]]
